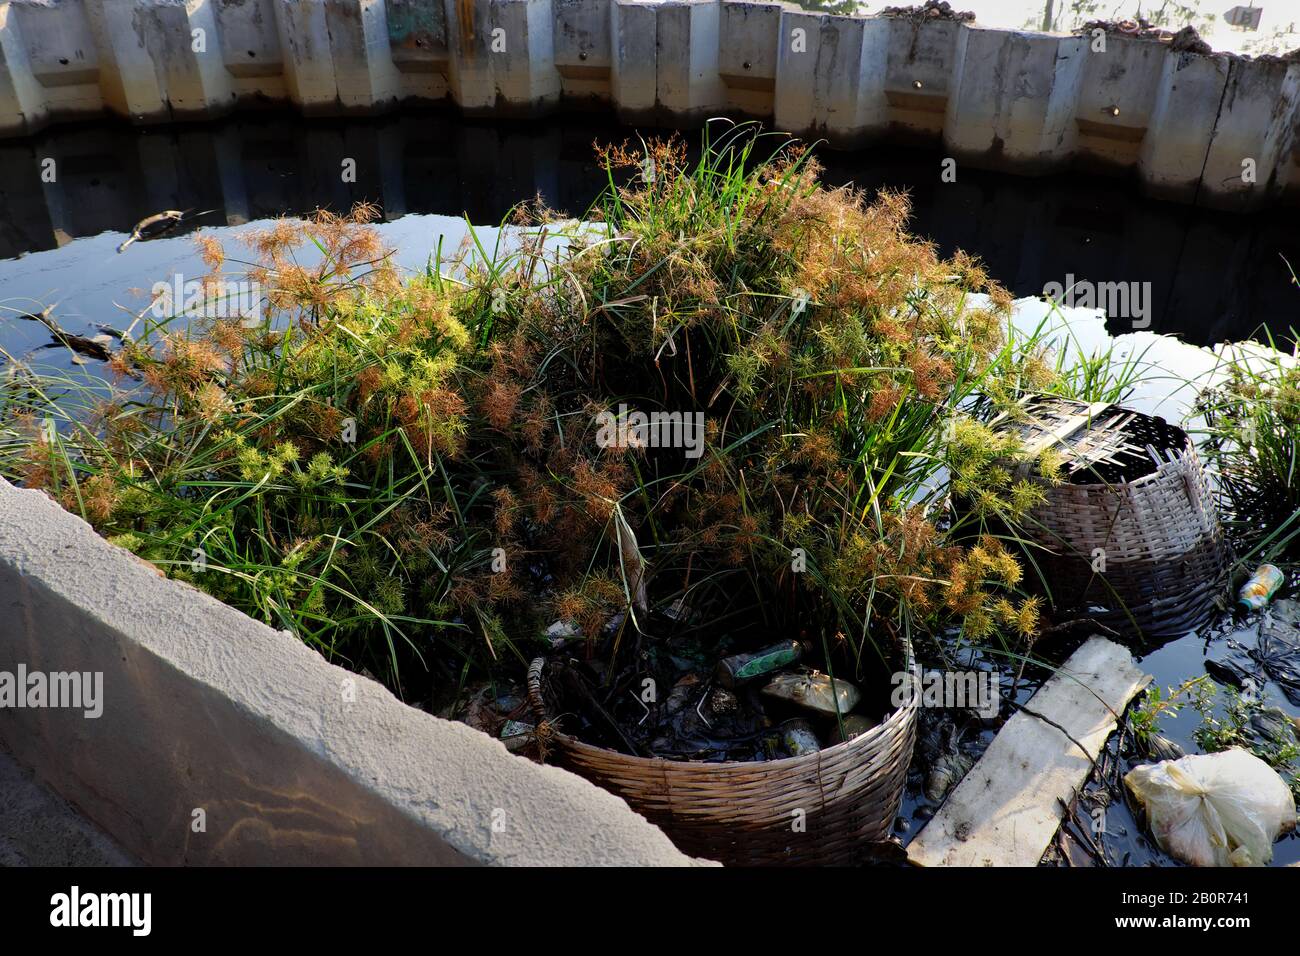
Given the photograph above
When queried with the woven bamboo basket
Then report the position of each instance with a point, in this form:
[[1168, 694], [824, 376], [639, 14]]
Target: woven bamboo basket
[[745, 813], [1132, 538]]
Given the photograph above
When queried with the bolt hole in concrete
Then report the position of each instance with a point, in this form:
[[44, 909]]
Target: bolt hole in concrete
[[1210, 277]]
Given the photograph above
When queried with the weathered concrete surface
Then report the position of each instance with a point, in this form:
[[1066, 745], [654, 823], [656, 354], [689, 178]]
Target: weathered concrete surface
[[1014, 97], [747, 57], [919, 74], [1117, 97], [38, 828], [209, 715], [830, 77], [1212, 129]]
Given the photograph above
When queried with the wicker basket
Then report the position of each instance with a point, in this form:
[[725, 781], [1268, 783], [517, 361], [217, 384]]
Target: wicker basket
[[744, 813], [1134, 530]]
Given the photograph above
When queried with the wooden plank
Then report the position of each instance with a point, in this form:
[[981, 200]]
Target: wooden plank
[[1007, 809]]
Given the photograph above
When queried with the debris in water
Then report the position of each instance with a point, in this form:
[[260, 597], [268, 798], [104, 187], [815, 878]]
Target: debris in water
[[723, 701], [679, 612], [79, 344], [1222, 809], [154, 226], [1279, 655], [799, 738], [814, 691], [691, 696], [1275, 657], [158, 225], [1263, 584], [855, 725], [1272, 726], [948, 767], [1158, 747], [681, 693], [560, 633], [741, 668], [515, 734], [1288, 610]]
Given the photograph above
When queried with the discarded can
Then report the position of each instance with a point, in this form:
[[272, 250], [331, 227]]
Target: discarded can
[[739, 668], [855, 725], [799, 738], [814, 691], [1263, 584]]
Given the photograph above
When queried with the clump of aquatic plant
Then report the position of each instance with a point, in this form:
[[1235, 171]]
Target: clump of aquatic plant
[[840, 369], [1252, 445], [430, 469], [1243, 720], [1157, 704], [300, 464]]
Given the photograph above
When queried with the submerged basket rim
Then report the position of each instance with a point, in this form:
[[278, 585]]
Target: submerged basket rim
[[883, 732]]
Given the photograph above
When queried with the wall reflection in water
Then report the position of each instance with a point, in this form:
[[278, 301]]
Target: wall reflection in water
[[1213, 276]]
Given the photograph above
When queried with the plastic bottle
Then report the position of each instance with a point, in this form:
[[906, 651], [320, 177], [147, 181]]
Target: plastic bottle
[[1261, 587], [740, 668]]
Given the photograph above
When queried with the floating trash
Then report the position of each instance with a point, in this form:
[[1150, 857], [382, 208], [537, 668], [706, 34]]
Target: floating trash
[[1159, 747], [1261, 587], [723, 701], [559, 633], [515, 734], [1275, 657], [815, 691], [855, 725], [948, 765], [799, 738], [1223, 809], [1273, 727], [742, 668]]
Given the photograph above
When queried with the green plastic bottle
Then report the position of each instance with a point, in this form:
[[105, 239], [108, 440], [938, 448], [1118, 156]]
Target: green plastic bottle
[[742, 668]]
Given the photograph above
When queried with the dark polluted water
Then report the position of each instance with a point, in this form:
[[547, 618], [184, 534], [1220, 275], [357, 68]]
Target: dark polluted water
[[1206, 277], [1120, 836], [1212, 277]]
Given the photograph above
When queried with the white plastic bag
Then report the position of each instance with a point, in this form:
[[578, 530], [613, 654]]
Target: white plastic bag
[[1223, 809]]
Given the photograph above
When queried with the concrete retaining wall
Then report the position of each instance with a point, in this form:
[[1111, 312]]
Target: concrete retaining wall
[[1218, 130], [211, 718]]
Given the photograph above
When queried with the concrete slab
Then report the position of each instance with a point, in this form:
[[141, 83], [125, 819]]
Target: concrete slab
[[39, 828], [223, 741]]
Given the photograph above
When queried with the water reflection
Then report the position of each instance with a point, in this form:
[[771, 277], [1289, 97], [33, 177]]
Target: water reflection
[[1214, 277]]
